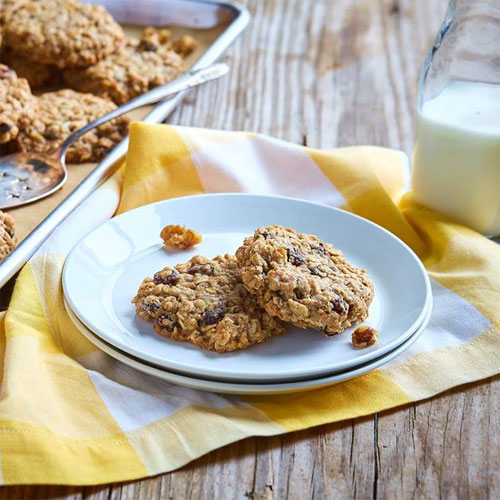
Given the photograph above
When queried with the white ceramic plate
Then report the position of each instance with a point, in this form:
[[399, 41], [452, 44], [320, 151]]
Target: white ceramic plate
[[243, 388], [104, 270]]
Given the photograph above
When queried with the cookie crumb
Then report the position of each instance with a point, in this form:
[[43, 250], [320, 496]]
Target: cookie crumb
[[183, 45], [180, 237], [364, 336]]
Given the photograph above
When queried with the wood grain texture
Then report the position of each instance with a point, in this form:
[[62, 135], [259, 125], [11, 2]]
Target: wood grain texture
[[332, 73]]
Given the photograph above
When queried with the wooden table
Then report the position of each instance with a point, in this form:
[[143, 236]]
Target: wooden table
[[327, 73]]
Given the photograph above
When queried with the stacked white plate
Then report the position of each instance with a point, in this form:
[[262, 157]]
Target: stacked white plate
[[104, 270]]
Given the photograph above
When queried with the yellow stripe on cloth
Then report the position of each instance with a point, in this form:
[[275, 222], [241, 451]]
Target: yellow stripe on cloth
[[46, 271], [2, 344], [342, 401], [419, 377], [194, 431], [31, 454], [42, 385], [370, 183], [459, 258], [167, 169], [70, 414]]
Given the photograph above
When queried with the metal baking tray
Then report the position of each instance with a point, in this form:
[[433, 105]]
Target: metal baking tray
[[214, 24]]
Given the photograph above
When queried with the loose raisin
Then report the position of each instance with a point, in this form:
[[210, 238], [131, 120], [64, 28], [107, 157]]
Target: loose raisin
[[364, 336]]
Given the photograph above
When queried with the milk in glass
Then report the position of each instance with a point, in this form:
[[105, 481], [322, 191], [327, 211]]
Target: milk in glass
[[456, 159], [456, 164]]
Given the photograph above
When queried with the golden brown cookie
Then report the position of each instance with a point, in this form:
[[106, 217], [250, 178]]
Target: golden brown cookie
[[8, 238], [16, 103], [204, 302], [65, 33], [135, 69], [303, 280], [38, 74], [61, 113]]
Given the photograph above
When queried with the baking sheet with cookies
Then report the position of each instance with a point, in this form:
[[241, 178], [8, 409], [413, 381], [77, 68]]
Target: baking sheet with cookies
[[213, 25]]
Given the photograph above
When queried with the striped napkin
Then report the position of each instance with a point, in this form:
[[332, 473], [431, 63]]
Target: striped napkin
[[69, 414]]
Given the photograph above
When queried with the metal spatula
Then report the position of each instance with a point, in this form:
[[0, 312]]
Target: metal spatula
[[26, 177]]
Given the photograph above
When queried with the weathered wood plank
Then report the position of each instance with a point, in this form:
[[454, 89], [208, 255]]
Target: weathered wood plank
[[447, 446]]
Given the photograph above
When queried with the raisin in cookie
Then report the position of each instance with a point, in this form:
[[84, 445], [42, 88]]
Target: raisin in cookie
[[66, 33], [140, 66], [298, 278], [8, 239], [203, 301], [61, 113], [16, 103]]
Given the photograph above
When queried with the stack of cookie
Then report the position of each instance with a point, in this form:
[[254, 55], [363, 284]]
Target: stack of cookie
[[234, 302], [65, 42]]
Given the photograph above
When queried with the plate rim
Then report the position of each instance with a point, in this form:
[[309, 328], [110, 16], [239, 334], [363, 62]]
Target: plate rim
[[235, 387], [182, 367]]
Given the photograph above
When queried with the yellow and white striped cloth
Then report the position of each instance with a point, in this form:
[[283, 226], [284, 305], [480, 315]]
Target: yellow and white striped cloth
[[70, 414]]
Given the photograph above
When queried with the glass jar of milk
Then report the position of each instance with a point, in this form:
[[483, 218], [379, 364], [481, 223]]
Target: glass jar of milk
[[456, 163]]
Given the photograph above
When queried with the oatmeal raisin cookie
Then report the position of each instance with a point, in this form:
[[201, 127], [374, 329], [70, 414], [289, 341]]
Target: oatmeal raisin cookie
[[204, 302], [137, 68], [16, 103], [65, 33], [37, 74], [300, 279], [62, 112]]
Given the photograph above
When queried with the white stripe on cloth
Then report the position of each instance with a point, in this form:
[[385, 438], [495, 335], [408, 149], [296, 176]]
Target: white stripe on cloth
[[243, 166], [136, 399], [95, 210], [454, 322]]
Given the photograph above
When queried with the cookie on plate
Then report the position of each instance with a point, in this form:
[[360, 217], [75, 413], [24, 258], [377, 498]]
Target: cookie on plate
[[8, 238], [65, 33], [140, 66], [300, 279], [62, 112], [16, 103], [204, 302]]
